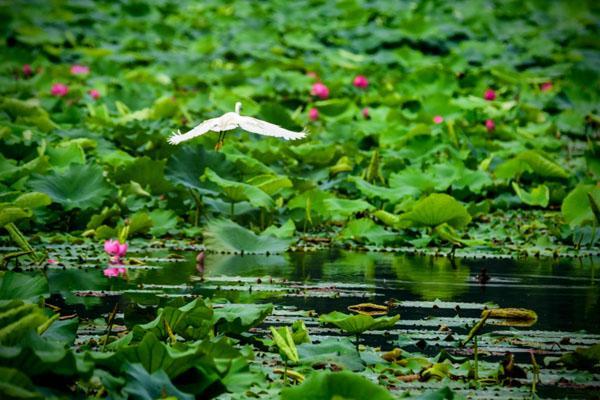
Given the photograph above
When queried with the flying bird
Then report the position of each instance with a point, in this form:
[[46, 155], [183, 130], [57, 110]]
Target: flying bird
[[232, 120]]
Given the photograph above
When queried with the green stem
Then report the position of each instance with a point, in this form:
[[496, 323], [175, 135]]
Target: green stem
[[285, 368], [475, 354], [198, 201], [21, 241], [111, 319]]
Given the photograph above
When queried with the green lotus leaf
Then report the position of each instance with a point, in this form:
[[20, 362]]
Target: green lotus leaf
[[542, 165], [237, 191], [145, 171], [15, 285], [345, 208], [539, 196], [16, 385], [33, 200], [238, 318], [285, 343], [270, 184], [192, 321], [356, 324], [188, 163], [8, 215], [143, 385], [436, 209], [225, 235], [77, 186], [336, 385], [576, 207], [366, 230]]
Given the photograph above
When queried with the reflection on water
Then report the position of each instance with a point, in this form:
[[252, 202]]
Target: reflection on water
[[563, 292]]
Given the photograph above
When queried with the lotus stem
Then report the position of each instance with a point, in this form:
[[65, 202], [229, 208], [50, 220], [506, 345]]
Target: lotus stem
[[111, 318], [476, 361], [22, 242], [44, 327], [198, 201]]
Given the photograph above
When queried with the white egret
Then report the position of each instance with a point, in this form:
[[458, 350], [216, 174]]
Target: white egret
[[232, 120]]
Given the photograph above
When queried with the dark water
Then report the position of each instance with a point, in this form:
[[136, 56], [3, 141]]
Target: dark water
[[565, 293]]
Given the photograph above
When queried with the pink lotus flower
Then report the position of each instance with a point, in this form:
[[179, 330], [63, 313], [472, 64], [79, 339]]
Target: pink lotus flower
[[489, 95], [115, 248], [361, 81], [59, 90], [313, 114], [80, 69], [438, 119], [312, 74], [52, 261], [94, 94], [365, 112], [114, 272], [27, 70], [546, 86], [320, 90], [490, 125]]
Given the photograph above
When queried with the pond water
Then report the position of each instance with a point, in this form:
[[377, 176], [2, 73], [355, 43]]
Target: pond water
[[428, 292], [565, 293]]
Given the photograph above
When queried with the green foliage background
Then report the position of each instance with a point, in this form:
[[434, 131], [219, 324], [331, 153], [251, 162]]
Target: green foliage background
[[163, 65]]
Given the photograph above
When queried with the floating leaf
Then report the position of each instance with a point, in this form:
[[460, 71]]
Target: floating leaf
[[356, 324]]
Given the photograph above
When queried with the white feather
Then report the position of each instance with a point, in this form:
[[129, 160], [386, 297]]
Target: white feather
[[268, 129], [232, 120]]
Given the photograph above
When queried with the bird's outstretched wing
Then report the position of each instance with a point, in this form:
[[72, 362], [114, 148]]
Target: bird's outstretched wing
[[268, 129], [206, 126]]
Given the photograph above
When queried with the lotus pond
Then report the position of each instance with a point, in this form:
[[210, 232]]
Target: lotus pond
[[430, 232], [166, 339]]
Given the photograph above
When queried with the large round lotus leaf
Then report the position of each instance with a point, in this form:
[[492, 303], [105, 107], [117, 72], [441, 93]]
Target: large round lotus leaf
[[77, 186], [436, 209]]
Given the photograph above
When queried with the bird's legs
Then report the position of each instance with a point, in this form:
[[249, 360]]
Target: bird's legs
[[219, 144]]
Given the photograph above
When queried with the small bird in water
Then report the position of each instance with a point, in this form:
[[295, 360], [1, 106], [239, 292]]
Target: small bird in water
[[483, 277], [232, 120]]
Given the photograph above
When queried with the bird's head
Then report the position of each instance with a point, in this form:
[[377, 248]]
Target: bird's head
[[238, 107]]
